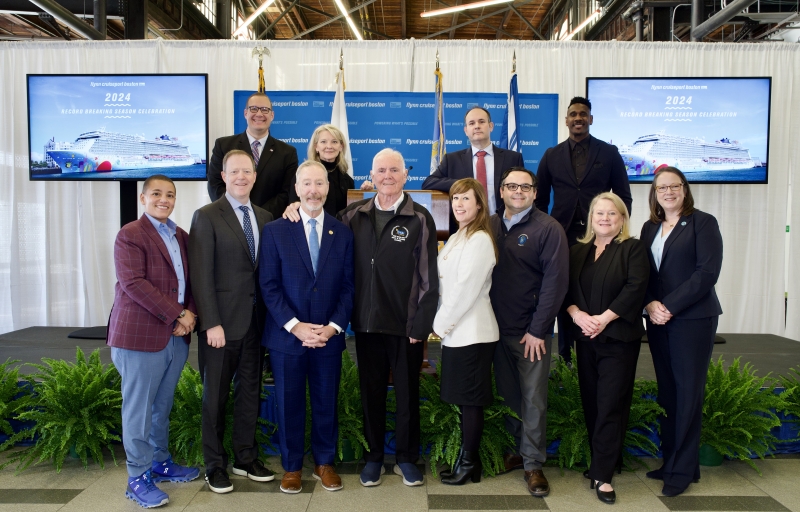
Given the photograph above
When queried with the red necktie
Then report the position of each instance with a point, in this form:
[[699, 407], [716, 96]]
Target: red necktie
[[480, 169]]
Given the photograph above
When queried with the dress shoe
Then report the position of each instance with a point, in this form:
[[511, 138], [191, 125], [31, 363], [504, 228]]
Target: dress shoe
[[608, 497], [672, 490], [327, 475], [512, 461], [292, 482], [656, 474], [586, 474], [537, 483], [469, 467]]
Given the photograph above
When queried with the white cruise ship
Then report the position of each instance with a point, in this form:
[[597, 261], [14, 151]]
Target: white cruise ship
[[99, 151], [651, 152]]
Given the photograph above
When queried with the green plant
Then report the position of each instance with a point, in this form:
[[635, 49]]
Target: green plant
[[13, 397], [565, 420], [643, 420], [75, 407], [440, 426], [186, 423], [791, 395], [739, 412]]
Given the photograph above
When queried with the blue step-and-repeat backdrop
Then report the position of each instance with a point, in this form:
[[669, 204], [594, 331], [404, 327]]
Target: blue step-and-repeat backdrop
[[403, 121]]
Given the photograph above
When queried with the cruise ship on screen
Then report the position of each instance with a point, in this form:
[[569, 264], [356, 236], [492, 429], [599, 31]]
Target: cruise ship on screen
[[649, 153], [100, 151]]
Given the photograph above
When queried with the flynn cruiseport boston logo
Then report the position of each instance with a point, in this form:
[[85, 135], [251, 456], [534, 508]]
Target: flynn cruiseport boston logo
[[399, 234]]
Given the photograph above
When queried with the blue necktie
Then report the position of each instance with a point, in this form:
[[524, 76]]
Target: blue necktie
[[248, 233], [313, 244]]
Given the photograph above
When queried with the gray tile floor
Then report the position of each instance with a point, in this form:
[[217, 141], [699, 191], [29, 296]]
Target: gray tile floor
[[732, 486]]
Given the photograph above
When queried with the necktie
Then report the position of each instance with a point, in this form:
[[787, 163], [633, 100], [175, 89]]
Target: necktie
[[256, 144], [313, 243], [480, 169], [248, 233]]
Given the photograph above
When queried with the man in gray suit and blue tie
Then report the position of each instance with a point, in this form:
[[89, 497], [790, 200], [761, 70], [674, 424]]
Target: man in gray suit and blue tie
[[306, 278], [223, 255]]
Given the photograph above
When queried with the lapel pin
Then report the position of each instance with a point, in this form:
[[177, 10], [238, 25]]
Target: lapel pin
[[330, 232], [270, 150], [683, 223]]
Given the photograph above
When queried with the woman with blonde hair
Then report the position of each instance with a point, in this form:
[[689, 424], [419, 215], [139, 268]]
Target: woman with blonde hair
[[466, 323], [327, 146], [608, 272]]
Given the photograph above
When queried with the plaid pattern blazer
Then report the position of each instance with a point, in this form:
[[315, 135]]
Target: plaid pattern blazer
[[146, 294]]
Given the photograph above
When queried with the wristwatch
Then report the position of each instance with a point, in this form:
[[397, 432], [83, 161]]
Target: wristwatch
[[183, 314]]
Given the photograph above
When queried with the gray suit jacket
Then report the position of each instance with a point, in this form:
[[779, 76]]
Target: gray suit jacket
[[224, 279]]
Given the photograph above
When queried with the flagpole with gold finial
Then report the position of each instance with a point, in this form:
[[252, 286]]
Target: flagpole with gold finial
[[260, 51]]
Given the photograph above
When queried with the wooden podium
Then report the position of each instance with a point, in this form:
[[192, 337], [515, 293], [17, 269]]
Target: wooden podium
[[438, 203]]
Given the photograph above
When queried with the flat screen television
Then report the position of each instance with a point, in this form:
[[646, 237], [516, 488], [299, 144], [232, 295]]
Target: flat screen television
[[715, 130], [117, 127]]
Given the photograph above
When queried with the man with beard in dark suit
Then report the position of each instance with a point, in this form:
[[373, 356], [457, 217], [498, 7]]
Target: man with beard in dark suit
[[276, 161], [577, 170]]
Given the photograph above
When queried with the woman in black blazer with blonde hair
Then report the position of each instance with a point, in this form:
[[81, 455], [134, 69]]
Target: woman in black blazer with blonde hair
[[685, 252], [608, 273]]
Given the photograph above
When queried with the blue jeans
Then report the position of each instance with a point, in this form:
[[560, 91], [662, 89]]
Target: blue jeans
[[148, 390]]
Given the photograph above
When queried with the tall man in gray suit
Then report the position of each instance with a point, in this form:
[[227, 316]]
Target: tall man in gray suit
[[223, 249]]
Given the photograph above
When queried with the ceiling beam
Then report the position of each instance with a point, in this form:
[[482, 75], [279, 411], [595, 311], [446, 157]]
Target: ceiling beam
[[340, 16], [276, 20], [479, 19], [503, 23], [63, 15], [525, 20], [453, 22], [403, 21], [470, 17]]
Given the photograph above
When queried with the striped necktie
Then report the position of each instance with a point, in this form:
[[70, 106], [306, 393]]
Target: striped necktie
[[256, 154]]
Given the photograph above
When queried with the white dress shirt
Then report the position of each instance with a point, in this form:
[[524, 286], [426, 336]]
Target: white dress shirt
[[392, 208], [488, 159]]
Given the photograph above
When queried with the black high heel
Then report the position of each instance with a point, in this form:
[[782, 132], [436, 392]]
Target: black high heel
[[469, 467], [447, 473], [608, 497]]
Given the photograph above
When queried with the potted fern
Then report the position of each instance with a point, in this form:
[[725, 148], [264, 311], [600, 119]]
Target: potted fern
[[739, 413], [75, 407], [440, 428], [15, 397]]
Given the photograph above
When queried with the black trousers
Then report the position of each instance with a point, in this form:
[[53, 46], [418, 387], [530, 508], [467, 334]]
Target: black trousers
[[376, 353], [681, 352], [566, 340], [606, 373], [239, 361]]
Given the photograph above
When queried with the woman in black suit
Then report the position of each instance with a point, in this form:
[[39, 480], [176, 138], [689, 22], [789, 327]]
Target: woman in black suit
[[608, 273], [682, 314]]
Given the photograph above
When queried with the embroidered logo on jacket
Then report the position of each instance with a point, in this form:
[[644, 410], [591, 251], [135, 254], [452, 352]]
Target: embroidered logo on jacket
[[521, 239], [399, 234]]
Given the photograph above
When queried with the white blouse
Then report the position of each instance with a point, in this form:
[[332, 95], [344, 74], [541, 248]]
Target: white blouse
[[657, 248]]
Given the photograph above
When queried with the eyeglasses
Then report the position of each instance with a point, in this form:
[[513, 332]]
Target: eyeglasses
[[254, 110], [674, 188], [512, 187]]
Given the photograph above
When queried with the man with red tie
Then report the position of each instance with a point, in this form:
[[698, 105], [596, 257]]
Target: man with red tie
[[483, 161]]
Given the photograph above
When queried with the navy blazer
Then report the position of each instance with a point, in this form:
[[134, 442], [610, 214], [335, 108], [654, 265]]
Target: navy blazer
[[619, 284], [690, 266], [605, 171], [291, 289]]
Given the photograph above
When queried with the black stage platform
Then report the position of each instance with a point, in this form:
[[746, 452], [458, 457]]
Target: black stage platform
[[767, 352]]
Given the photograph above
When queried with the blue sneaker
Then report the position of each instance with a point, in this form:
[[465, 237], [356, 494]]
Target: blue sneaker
[[412, 476], [169, 471], [371, 474], [143, 491]]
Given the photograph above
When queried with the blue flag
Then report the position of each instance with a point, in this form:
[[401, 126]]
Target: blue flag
[[509, 137], [438, 146]]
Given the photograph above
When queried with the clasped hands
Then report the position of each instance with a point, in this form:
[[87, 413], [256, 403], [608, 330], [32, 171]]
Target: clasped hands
[[658, 313], [591, 325], [185, 325], [313, 335]]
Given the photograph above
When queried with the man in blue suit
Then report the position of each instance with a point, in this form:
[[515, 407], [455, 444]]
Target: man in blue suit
[[306, 278]]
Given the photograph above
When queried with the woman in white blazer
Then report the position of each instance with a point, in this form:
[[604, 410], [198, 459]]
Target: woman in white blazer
[[465, 321]]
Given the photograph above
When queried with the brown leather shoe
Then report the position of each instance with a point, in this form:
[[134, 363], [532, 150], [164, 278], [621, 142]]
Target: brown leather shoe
[[537, 483], [512, 461], [292, 483], [327, 475]]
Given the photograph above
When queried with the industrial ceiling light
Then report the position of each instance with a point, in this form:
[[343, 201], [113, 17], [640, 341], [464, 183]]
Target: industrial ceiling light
[[243, 27], [580, 27], [350, 21], [462, 7]]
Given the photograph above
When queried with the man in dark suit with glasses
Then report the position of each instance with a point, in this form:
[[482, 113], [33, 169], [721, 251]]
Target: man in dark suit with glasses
[[276, 161]]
